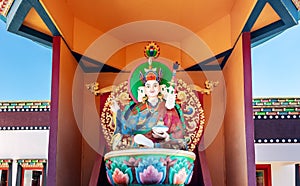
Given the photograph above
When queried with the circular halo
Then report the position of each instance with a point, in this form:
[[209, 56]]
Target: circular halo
[[134, 78]]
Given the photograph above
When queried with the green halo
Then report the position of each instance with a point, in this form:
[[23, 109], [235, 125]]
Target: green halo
[[134, 78]]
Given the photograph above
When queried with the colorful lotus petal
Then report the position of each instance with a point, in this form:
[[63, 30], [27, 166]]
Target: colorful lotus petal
[[119, 173], [150, 176], [179, 173], [180, 177], [149, 170], [119, 177], [152, 167]]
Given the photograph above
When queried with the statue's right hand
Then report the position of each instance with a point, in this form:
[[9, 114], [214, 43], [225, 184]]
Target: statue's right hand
[[114, 107]]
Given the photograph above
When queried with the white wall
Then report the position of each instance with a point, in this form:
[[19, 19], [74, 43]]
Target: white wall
[[23, 144], [283, 174], [282, 157], [279, 152]]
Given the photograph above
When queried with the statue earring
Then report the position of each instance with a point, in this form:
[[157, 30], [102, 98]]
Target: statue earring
[[160, 96], [145, 99]]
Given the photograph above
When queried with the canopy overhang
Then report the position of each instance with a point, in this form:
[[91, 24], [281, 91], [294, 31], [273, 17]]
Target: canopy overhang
[[218, 23]]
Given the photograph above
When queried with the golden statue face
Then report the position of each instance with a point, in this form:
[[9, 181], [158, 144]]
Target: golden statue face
[[152, 88]]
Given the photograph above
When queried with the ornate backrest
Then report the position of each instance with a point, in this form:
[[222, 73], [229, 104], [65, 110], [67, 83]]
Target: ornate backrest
[[187, 102]]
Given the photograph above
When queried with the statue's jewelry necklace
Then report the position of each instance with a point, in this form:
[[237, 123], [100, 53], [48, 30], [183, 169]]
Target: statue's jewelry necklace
[[152, 108]]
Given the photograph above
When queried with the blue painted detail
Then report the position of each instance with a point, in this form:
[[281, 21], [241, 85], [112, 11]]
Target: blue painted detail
[[17, 14], [228, 53], [254, 15], [267, 32], [267, 109], [206, 66], [286, 11], [35, 35], [43, 14], [100, 67], [3, 18], [15, 19], [257, 41]]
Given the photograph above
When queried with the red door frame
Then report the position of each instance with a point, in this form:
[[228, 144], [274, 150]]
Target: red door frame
[[266, 168]]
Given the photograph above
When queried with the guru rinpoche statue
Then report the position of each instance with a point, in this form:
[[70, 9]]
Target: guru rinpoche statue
[[155, 120]]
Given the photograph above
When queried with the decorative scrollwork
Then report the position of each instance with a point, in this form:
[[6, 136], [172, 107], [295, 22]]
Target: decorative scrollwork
[[209, 87], [93, 88]]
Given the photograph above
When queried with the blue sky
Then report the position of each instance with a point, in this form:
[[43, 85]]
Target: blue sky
[[26, 67], [276, 66]]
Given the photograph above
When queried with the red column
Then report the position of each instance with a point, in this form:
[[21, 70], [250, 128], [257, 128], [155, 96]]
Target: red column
[[52, 149], [249, 122]]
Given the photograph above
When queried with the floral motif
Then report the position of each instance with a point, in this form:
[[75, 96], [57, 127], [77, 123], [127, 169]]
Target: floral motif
[[180, 177], [119, 177], [180, 172], [150, 175], [150, 171], [118, 173]]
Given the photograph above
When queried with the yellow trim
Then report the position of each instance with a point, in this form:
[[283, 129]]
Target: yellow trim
[[56, 26]]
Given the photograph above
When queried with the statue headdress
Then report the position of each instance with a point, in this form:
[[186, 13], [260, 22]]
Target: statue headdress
[[150, 70], [151, 51]]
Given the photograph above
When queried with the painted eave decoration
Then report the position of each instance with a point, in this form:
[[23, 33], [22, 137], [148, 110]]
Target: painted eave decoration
[[5, 7], [25, 106], [32, 163], [4, 163], [276, 108]]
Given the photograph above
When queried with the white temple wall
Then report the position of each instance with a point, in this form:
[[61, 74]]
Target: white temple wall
[[23, 144]]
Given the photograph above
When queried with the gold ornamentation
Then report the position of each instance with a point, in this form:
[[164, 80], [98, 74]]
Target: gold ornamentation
[[193, 114], [106, 89], [181, 96], [209, 87], [93, 88], [123, 98], [118, 93]]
